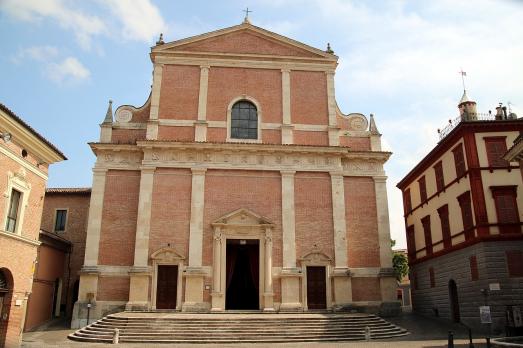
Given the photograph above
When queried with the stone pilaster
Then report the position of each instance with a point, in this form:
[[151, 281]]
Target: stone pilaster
[[268, 295], [290, 275], [331, 107], [200, 131], [218, 298], [194, 273], [140, 275], [387, 279], [152, 124], [342, 281], [286, 129]]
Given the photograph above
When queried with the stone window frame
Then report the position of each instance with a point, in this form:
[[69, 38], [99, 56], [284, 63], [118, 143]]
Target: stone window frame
[[16, 181], [229, 115], [66, 220]]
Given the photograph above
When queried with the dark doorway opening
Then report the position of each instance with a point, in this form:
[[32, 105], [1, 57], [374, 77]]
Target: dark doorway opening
[[6, 292], [316, 288], [242, 274], [454, 301], [166, 287]]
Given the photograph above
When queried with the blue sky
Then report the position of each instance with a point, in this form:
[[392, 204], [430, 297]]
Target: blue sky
[[61, 61]]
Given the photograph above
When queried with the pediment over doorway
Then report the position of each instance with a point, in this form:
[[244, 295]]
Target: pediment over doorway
[[316, 256], [242, 217], [166, 254]]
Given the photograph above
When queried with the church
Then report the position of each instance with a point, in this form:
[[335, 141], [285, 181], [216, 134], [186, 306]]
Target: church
[[238, 185]]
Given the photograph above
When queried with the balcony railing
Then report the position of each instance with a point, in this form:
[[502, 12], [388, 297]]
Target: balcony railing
[[466, 117]]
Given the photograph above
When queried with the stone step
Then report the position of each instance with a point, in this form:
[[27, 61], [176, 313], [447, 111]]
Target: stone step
[[252, 328]]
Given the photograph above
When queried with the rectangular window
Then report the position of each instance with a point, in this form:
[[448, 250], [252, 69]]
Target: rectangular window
[[60, 220], [443, 213], [12, 213], [496, 147], [407, 201], [427, 232], [411, 243], [422, 189], [506, 208], [440, 180], [514, 263], [474, 274], [466, 214], [459, 161], [432, 277]]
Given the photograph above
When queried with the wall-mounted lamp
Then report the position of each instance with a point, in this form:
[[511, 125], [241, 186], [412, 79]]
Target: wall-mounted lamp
[[6, 137]]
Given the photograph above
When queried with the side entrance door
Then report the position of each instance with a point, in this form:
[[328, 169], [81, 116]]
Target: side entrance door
[[316, 288], [166, 287]]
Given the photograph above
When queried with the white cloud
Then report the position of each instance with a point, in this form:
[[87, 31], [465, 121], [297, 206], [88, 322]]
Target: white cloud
[[69, 70], [39, 53], [82, 25], [140, 19]]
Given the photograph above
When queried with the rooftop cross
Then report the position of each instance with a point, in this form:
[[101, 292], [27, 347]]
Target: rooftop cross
[[246, 19]]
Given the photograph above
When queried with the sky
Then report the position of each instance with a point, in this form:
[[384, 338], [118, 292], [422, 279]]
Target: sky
[[61, 61]]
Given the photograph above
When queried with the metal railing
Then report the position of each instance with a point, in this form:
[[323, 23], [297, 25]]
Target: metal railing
[[467, 117]]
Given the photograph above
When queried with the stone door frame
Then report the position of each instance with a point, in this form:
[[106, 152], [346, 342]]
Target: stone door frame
[[242, 224], [169, 257], [316, 259]]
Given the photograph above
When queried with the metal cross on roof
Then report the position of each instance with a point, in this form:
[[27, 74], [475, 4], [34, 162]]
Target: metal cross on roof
[[246, 14]]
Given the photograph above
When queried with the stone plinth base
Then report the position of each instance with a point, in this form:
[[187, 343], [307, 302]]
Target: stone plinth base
[[98, 310]]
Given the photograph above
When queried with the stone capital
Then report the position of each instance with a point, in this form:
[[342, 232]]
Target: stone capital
[[198, 171]]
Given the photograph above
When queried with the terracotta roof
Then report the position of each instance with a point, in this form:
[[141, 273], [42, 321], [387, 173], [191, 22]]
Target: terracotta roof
[[31, 129], [68, 190]]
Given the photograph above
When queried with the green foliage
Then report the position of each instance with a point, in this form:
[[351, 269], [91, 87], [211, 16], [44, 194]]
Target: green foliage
[[400, 263]]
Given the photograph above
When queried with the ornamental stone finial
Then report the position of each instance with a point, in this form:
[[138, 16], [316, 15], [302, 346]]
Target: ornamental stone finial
[[109, 114], [329, 49], [372, 127]]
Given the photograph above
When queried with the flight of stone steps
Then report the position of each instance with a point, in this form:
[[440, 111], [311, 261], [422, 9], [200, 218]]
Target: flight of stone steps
[[231, 328]]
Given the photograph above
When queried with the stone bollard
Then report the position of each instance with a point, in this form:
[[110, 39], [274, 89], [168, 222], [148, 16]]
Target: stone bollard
[[451, 340], [116, 337], [367, 333]]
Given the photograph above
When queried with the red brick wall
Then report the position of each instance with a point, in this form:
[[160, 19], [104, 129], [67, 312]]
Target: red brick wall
[[225, 84], [179, 92], [75, 232], [176, 133], [226, 191], [356, 143], [113, 289], [142, 115], [119, 215], [362, 226], [309, 97], [127, 136], [366, 289], [271, 136], [171, 210], [311, 138], [244, 42], [218, 135], [313, 213]]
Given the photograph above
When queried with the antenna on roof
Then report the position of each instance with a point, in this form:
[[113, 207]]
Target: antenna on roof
[[246, 19]]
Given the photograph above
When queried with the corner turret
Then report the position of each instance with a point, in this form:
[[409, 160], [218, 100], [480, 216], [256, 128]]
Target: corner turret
[[467, 108]]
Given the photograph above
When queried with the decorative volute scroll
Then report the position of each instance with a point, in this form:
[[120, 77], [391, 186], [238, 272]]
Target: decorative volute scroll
[[166, 254]]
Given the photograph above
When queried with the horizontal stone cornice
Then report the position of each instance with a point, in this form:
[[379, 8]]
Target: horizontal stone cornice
[[240, 156]]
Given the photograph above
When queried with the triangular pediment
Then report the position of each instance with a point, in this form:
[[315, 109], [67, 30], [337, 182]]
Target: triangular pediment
[[166, 254], [244, 39], [242, 217]]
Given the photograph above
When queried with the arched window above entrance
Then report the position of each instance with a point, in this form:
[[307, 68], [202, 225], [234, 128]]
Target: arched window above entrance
[[244, 120], [3, 282]]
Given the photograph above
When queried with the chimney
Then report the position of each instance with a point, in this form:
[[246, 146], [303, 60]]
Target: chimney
[[500, 114]]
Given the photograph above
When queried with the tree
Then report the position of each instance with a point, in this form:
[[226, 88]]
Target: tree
[[400, 263]]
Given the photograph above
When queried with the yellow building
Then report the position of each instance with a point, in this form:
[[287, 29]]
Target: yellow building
[[463, 211]]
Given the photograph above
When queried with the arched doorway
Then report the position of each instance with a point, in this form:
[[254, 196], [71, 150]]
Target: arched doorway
[[454, 301], [6, 293]]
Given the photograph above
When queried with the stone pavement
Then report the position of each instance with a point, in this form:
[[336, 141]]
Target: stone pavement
[[425, 333]]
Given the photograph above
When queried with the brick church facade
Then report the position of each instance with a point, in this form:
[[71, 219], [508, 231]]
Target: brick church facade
[[239, 184]]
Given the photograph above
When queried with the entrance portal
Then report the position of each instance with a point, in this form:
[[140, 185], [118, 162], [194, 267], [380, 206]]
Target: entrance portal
[[454, 301], [6, 291], [166, 287], [242, 274], [316, 288]]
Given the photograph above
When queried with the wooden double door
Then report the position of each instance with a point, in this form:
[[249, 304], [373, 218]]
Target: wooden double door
[[166, 287], [316, 287]]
